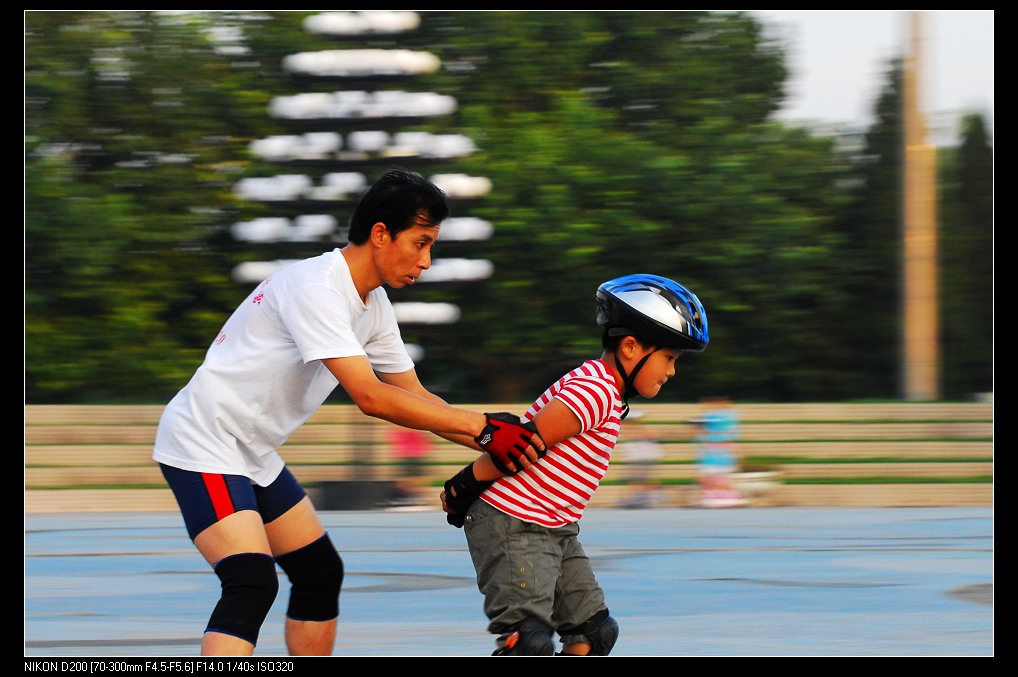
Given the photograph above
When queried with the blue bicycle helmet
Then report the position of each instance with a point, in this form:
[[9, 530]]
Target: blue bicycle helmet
[[655, 310]]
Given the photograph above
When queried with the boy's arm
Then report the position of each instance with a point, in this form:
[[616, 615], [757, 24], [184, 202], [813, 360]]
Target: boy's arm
[[485, 470], [463, 488], [555, 422]]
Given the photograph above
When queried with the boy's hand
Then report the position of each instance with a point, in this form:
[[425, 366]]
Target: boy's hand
[[460, 492], [452, 517], [512, 444]]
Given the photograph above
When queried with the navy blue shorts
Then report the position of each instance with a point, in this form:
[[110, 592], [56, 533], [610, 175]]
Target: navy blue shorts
[[206, 498]]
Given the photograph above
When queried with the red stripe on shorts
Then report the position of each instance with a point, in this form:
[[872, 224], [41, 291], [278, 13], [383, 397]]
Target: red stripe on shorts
[[219, 494]]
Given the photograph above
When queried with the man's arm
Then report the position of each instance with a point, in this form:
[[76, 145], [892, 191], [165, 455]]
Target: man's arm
[[407, 403], [396, 403], [409, 381]]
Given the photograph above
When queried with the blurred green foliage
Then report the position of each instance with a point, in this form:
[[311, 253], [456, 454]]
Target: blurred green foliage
[[617, 142]]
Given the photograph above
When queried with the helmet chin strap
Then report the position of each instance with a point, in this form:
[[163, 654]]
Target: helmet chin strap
[[627, 379]]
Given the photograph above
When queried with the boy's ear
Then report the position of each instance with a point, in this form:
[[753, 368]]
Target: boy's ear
[[629, 346]]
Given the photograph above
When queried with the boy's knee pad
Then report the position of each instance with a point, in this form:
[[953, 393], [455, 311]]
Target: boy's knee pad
[[250, 585], [316, 576], [601, 631], [530, 638]]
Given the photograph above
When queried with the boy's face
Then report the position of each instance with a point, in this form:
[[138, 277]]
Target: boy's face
[[660, 367]]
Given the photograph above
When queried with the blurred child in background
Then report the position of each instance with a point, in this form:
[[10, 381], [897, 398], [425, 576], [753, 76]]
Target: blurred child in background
[[641, 451], [716, 437]]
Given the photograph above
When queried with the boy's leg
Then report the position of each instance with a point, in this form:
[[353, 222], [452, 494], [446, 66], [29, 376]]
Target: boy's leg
[[517, 565], [581, 616]]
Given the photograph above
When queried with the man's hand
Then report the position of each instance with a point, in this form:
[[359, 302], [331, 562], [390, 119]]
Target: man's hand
[[512, 444]]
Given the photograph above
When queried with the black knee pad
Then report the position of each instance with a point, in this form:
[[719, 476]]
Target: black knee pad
[[250, 584], [531, 637], [601, 631], [316, 576]]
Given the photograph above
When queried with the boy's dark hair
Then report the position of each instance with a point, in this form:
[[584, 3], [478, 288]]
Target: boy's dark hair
[[610, 341], [399, 199]]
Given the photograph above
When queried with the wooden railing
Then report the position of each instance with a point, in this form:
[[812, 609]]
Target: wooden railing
[[90, 448]]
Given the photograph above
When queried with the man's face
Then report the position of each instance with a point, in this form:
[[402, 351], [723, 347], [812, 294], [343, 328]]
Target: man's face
[[402, 259]]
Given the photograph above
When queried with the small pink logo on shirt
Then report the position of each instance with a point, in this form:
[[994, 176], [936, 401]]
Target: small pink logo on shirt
[[221, 337], [258, 299]]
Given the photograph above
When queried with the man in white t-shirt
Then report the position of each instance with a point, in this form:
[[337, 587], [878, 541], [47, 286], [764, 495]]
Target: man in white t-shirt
[[318, 323]]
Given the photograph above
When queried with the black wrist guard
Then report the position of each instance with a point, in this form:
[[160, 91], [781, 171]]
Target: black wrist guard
[[461, 491]]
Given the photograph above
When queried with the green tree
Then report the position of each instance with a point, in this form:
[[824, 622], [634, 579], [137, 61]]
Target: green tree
[[131, 123], [616, 142], [967, 277], [873, 230], [872, 225], [596, 178]]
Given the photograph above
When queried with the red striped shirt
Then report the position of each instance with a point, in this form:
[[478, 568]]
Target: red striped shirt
[[556, 490]]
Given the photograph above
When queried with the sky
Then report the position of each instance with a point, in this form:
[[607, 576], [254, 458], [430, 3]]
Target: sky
[[838, 60]]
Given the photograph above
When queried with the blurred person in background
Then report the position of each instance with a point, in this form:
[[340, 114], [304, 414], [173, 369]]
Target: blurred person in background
[[410, 448], [321, 322], [716, 437], [522, 528], [641, 451]]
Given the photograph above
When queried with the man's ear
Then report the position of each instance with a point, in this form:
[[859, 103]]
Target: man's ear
[[379, 234]]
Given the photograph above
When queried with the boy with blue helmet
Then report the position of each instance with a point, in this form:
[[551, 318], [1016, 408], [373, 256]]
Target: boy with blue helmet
[[523, 532]]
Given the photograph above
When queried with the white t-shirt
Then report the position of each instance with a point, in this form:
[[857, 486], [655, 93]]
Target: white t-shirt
[[263, 376]]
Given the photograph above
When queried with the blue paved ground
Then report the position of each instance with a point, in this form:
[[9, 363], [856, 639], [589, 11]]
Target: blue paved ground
[[681, 582]]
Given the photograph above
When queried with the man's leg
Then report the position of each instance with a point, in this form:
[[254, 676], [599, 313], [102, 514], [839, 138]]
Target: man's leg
[[240, 535], [311, 638], [304, 551], [222, 520]]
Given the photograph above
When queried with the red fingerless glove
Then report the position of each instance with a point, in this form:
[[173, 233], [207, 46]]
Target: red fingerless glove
[[505, 438]]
